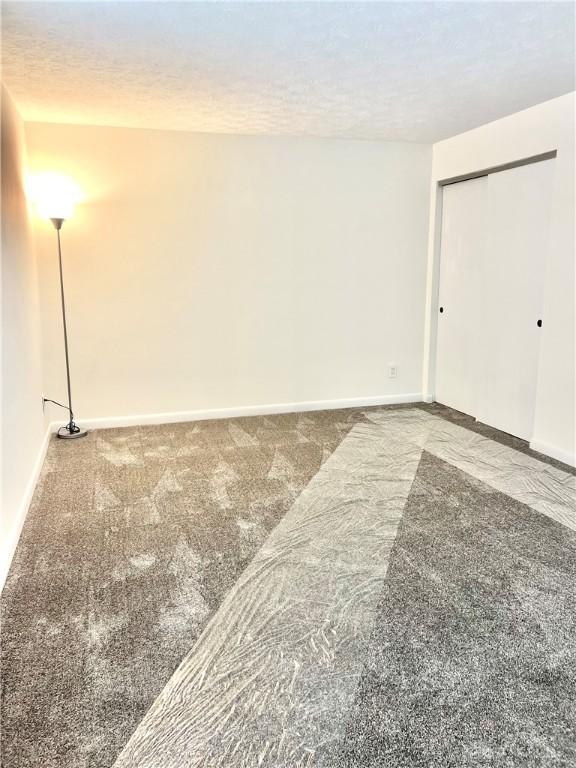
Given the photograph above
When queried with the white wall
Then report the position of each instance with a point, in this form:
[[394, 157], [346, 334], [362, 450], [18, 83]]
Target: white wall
[[208, 272], [545, 127], [22, 420]]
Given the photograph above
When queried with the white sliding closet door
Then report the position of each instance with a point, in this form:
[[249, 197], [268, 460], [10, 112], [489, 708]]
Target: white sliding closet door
[[517, 216], [462, 253]]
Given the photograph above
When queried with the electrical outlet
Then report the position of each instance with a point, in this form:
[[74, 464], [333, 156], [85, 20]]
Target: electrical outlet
[[392, 371]]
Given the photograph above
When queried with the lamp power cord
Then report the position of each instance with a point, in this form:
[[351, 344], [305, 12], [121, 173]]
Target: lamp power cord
[[71, 427]]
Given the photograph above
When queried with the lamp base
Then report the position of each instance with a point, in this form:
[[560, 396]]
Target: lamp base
[[71, 431]]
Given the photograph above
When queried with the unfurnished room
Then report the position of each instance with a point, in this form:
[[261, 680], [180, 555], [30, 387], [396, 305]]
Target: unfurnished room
[[288, 392]]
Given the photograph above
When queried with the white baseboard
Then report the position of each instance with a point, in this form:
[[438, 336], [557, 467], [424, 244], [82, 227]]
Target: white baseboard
[[9, 546], [553, 452], [107, 422]]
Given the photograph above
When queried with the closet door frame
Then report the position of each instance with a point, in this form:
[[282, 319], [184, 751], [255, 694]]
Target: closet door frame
[[430, 393]]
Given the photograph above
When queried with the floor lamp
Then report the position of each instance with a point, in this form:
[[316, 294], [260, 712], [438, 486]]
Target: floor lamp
[[71, 430], [55, 196]]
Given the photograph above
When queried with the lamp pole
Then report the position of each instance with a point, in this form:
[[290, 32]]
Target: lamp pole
[[71, 430]]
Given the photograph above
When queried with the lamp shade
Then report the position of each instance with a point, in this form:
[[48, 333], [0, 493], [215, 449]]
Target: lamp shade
[[54, 196]]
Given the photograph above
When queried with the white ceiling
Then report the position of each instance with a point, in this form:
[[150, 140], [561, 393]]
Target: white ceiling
[[411, 71]]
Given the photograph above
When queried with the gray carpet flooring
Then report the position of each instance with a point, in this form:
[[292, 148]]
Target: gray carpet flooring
[[472, 659], [132, 540], [405, 578]]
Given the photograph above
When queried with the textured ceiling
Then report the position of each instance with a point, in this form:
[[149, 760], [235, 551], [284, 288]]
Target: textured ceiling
[[412, 71]]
